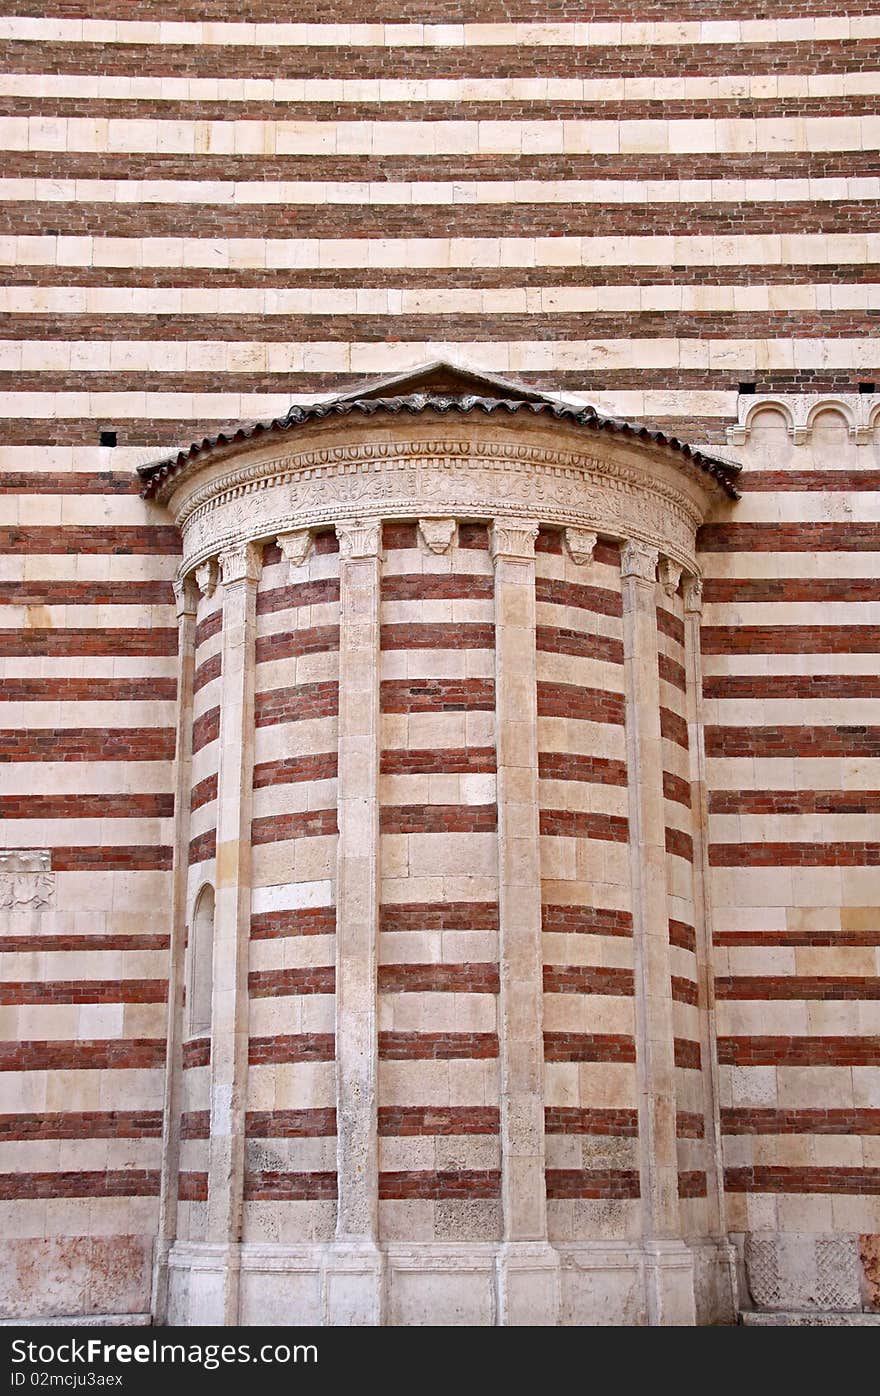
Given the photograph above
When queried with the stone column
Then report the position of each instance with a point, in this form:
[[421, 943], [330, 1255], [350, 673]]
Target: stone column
[[668, 1262], [354, 1278], [528, 1287], [185, 598], [726, 1269], [239, 574]]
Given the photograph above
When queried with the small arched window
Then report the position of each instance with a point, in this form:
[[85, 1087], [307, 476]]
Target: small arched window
[[201, 964]]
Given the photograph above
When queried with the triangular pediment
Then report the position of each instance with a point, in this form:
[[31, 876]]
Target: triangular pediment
[[441, 378]]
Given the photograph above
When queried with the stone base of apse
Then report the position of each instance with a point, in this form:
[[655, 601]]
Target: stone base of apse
[[595, 1284]]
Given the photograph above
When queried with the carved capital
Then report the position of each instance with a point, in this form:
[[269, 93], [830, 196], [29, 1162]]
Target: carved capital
[[580, 544], [670, 575], [437, 534], [295, 547], [185, 598], [359, 540], [27, 881], [639, 561], [206, 577], [693, 595], [513, 539], [241, 564]]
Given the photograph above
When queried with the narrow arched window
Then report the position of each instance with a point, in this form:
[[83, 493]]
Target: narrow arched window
[[201, 964]]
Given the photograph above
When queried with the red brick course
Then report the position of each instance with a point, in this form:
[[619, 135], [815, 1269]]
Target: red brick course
[[289, 1187], [203, 792], [791, 686], [670, 625], [207, 671], [275, 828], [292, 644], [798, 986], [790, 639], [682, 935], [438, 916], [687, 1054], [203, 847], [837, 937], [689, 1125], [279, 983], [438, 819], [297, 1047], [591, 770], [587, 979], [574, 1119], [588, 1047], [795, 855], [856, 740], [306, 700], [600, 600], [438, 635], [306, 921], [291, 770], [437, 695], [427, 586], [788, 538], [196, 1052], [192, 1187], [592, 1182], [88, 744], [437, 1046], [679, 844], [439, 761], [155, 540], [83, 1124], [673, 728], [861, 1181], [206, 729], [692, 1184], [404, 1120], [84, 991], [86, 806], [676, 789], [126, 1054], [318, 1122], [113, 1182], [321, 592], [477, 977], [684, 990], [577, 701], [799, 1051], [462, 1183], [577, 824], [586, 920], [81, 640], [754, 1120], [552, 639]]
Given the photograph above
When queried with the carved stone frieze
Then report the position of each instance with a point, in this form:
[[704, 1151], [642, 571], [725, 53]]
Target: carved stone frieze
[[439, 480], [437, 534], [27, 881]]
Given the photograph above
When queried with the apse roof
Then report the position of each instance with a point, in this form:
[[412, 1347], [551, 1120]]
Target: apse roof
[[445, 389]]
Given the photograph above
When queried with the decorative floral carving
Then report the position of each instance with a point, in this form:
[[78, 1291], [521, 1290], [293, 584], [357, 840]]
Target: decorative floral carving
[[437, 534], [26, 878]]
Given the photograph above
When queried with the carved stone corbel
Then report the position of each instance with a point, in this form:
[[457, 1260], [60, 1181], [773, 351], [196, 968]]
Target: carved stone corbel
[[580, 544], [206, 575], [437, 534], [295, 547], [670, 575]]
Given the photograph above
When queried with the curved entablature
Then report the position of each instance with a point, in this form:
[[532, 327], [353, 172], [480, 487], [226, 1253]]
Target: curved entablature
[[436, 452]]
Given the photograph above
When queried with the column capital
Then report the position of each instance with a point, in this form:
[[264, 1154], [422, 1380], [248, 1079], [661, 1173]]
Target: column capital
[[243, 563], [358, 539], [639, 561], [693, 595], [185, 598], [295, 547], [437, 534], [513, 539]]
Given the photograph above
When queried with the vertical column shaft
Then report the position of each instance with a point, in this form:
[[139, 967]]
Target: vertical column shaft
[[240, 570], [655, 1050], [354, 1292], [521, 1039], [185, 602], [693, 605]]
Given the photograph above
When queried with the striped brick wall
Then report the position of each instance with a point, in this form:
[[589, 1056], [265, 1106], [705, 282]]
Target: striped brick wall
[[438, 978], [290, 1164], [790, 682], [589, 1037]]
